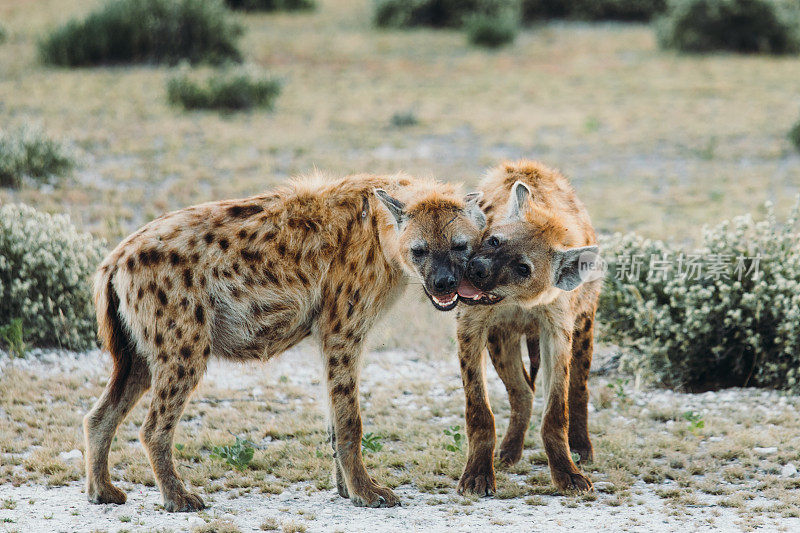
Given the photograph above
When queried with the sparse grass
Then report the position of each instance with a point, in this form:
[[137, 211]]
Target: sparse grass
[[271, 5], [226, 90]]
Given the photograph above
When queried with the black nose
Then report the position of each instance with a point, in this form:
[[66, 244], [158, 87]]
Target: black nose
[[478, 268], [445, 283]]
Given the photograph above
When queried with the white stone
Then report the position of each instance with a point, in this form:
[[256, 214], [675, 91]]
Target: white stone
[[788, 470], [258, 391], [765, 451], [71, 455], [196, 522]]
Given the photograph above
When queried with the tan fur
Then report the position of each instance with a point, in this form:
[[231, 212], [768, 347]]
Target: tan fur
[[247, 279], [557, 326]]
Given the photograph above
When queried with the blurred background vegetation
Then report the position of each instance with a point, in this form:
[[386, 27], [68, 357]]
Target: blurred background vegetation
[[665, 114]]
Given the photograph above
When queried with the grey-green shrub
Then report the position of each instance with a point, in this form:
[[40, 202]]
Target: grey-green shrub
[[28, 152], [623, 10], [794, 135], [146, 31], [708, 333], [749, 26], [45, 277], [271, 5], [227, 90], [492, 31], [3, 34], [436, 13]]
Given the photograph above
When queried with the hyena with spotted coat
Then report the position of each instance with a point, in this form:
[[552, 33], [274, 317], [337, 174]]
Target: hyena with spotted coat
[[526, 279], [245, 280]]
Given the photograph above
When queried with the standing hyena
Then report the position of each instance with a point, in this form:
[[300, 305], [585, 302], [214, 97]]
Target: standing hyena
[[526, 279], [247, 279]]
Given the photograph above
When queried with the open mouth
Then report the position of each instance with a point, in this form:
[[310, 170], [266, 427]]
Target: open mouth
[[444, 302], [472, 295]]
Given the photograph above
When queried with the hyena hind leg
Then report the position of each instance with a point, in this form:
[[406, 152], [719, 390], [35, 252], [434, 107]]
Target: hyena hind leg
[[123, 390], [171, 391], [582, 347]]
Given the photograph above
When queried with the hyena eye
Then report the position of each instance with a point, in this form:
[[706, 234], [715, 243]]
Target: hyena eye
[[523, 270], [459, 246], [494, 242], [419, 251]]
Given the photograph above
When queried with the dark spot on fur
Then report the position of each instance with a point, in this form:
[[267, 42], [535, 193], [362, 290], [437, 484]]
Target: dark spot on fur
[[199, 314], [186, 351], [159, 339], [162, 408], [162, 297], [242, 233], [207, 350], [209, 237], [282, 249], [244, 211], [181, 371], [139, 293], [470, 375], [223, 243], [159, 313], [187, 278], [175, 258], [173, 391], [585, 344], [251, 256], [131, 263], [346, 360]]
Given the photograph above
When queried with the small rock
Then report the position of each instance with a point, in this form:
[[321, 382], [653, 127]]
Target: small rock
[[258, 391], [590, 408], [715, 439], [788, 470], [71, 455], [765, 451], [196, 521], [603, 486]]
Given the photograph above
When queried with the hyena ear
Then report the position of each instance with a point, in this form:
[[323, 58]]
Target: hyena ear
[[574, 266], [518, 201], [473, 210], [395, 207]]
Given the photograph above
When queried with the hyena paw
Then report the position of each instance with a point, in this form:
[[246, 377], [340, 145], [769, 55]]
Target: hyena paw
[[374, 496], [572, 481], [481, 482], [106, 494], [510, 454], [183, 503]]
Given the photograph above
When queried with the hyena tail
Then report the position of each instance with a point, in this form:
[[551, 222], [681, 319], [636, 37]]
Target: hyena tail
[[112, 333]]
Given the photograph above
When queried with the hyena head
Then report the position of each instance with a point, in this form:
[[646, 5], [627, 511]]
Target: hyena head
[[526, 258], [435, 233]]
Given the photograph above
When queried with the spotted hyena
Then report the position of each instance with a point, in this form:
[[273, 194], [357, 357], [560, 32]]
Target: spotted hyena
[[526, 279], [247, 279]]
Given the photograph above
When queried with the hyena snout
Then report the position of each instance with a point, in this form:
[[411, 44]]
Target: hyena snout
[[444, 281], [478, 270]]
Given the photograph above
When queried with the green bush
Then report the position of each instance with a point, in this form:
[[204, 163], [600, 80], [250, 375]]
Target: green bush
[[766, 26], [27, 152], [146, 31], [436, 13], [491, 31], [230, 90], [3, 34], [794, 135], [45, 271], [702, 329], [271, 5], [624, 10]]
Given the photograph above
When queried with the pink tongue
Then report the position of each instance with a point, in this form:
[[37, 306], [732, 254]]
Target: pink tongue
[[467, 289]]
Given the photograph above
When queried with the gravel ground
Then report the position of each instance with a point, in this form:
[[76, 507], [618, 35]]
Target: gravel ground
[[33, 507]]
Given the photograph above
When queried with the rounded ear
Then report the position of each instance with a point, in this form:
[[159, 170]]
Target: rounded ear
[[395, 207], [574, 266], [473, 210], [518, 200]]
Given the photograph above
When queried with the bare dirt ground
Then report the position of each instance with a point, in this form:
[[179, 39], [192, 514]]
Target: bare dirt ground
[[653, 473]]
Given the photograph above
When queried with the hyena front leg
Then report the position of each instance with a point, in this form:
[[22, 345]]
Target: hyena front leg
[[341, 485], [342, 359], [556, 347], [478, 476], [122, 392], [174, 383], [582, 346], [506, 354]]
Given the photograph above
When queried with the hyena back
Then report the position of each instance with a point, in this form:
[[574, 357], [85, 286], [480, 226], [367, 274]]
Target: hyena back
[[247, 279], [525, 280]]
